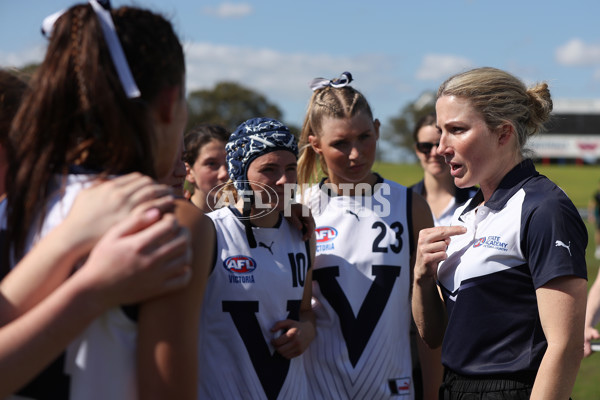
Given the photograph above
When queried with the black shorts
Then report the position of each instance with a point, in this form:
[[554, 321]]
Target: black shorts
[[493, 387]]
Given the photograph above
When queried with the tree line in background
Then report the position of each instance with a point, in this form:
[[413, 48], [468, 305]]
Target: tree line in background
[[229, 104]]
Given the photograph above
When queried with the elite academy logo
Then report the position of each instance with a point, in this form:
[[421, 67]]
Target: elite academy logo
[[491, 242]]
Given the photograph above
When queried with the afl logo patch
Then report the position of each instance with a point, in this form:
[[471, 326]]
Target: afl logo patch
[[239, 264], [325, 234], [479, 242]]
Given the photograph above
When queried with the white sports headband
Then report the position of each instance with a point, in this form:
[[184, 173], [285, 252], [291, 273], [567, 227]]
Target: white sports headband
[[102, 10]]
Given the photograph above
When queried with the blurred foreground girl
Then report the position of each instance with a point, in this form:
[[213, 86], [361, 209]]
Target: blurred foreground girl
[[108, 99]]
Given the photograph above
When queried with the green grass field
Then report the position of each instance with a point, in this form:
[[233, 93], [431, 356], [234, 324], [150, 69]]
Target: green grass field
[[579, 182]]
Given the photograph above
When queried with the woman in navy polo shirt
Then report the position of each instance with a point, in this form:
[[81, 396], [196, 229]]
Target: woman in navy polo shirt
[[511, 268]]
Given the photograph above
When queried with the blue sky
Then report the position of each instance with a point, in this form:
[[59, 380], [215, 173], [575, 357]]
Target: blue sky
[[395, 49]]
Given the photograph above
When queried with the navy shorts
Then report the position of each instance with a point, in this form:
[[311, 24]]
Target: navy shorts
[[493, 387]]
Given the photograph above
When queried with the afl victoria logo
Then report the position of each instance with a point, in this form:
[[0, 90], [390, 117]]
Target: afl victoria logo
[[239, 264], [479, 242], [325, 234]]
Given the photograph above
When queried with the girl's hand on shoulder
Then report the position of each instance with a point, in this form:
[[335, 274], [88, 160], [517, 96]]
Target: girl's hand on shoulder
[[141, 257], [295, 338], [99, 207]]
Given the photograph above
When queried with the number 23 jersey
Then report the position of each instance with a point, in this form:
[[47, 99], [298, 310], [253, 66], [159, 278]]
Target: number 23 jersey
[[249, 290], [361, 281]]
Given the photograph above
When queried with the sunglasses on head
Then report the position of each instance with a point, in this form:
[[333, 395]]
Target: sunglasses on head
[[425, 147]]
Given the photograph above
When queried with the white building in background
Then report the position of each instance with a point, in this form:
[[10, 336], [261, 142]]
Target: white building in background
[[573, 133]]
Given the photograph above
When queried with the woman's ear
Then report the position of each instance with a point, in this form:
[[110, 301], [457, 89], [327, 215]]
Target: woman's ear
[[315, 144], [189, 174], [505, 132], [377, 125]]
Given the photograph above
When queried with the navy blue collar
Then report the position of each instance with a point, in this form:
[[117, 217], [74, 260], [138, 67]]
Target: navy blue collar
[[83, 170]]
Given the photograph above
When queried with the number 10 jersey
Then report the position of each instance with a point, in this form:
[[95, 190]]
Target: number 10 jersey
[[249, 290]]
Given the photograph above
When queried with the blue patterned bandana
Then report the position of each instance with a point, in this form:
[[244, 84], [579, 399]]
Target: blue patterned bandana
[[252, 139]]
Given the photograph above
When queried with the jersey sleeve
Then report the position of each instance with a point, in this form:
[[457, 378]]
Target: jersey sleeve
[[554, 238]]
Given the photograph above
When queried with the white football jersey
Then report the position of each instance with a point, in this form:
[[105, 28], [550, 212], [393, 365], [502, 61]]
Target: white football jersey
[[361, 283], [249, 290]]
